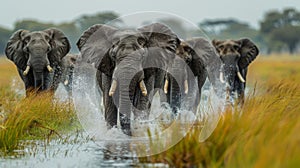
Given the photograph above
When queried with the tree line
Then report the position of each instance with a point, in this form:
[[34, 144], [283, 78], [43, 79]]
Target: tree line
[[279, 30]]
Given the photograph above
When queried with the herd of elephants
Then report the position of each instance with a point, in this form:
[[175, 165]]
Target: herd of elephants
[[134, 64]]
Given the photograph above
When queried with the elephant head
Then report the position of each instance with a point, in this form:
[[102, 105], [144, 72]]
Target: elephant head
[[205, 63], [35, 53], [121, 56], [235, 55], [178, 68]]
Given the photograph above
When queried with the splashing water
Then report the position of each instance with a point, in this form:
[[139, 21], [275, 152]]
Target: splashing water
[[159, 133]]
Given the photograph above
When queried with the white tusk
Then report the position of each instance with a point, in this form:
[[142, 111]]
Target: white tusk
[[66, 82], [240, 77], [26, 70], [222, 77], [166, 86], [143, 88], [49, 68], [112, 88], [186, 87]]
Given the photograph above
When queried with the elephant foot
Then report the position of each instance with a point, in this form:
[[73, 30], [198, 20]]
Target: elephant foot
[[127, 131], [125, 126]]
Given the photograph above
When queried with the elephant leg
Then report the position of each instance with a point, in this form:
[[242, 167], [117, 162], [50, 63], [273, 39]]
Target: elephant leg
[[160, 80], [240, 93], [142, 103], [175, 95], [28, 82], [111, 111], [241, 88], [200, 80]]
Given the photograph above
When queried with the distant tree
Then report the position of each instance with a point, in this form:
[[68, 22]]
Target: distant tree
[[4, 36], [86, 21], [32, 25], [176, 25], [230, 29], [283, 27], [215, 26]]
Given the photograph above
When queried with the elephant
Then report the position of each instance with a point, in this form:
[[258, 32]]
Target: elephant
[[68, 63], [38, 57], [196, 60], [236, 55], [131, 65], [176, 85]]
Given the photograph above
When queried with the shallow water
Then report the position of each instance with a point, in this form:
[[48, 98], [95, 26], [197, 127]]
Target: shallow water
[[81, 154]]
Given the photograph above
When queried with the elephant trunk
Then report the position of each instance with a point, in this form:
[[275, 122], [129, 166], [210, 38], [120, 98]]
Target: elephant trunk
[[125, 106], [127, 79], [39, 80]]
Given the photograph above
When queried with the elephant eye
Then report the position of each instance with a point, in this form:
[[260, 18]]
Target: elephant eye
[[187, 49], [27, 39], [221, 47], [236, 47], [47, 39]]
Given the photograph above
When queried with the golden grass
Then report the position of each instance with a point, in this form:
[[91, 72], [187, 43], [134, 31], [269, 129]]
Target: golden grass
[[36, 117], [264, 133]]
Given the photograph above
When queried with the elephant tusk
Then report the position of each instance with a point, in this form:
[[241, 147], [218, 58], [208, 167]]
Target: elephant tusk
[[26, 70], [186, 87], [240, 77], [66, 82], [222, 77], [166, 86], [112, 88], [49, 68], [143, 88]]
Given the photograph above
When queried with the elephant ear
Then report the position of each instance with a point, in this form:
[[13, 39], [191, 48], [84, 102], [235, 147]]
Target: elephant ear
[[94, 45], [60, 45], [160, 35], [205, 61], [248, 52], [14, 49], [203, 55]]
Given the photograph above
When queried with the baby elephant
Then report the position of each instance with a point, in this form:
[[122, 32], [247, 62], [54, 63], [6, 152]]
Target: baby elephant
[[235, 55]]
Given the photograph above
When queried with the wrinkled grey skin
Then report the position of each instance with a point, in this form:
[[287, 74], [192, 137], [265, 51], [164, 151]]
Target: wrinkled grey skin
[[236, 55], [128, 57], [197, 61], [38, 49], [68, 63]]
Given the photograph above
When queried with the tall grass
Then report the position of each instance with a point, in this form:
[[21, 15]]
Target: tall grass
[[263, 133], [35, 117]]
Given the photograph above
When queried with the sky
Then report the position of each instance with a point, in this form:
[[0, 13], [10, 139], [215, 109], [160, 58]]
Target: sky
[[195, 11]]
